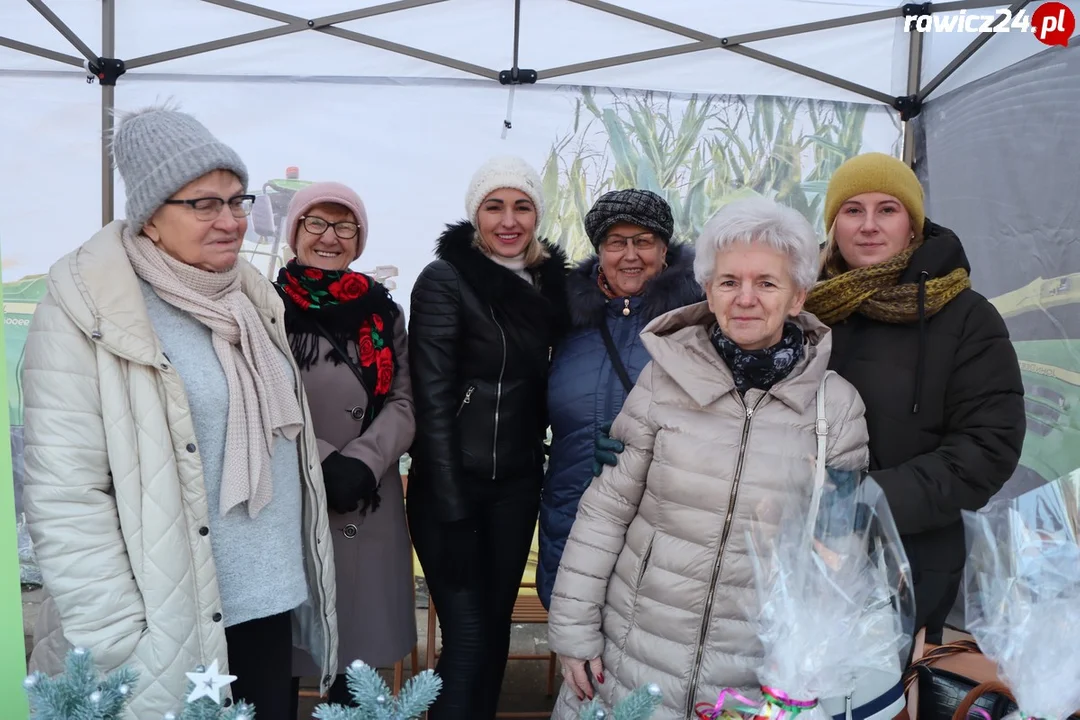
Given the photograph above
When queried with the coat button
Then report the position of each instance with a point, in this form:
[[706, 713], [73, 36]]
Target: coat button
[[357, 413], [327, 680], [191, 447], [204, 531], [227, 702], [349, 531], [217, 617], [273, 321], [164, 366]]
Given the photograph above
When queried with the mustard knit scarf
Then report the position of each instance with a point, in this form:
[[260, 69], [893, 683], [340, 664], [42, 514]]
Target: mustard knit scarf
[[876, 292]]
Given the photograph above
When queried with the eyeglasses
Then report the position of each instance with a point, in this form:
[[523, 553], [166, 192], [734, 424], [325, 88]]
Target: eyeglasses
[[619, 243], [317, 226], [208, 208]]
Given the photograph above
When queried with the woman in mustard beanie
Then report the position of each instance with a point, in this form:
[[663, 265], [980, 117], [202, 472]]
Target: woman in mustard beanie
[[932, 360]]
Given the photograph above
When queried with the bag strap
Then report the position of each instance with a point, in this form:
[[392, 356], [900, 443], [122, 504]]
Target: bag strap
[[369, 411], [613, 355], [821, 429]]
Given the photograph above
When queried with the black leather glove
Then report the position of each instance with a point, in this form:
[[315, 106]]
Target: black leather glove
[[350, 484], [460, 552], [605, 450]]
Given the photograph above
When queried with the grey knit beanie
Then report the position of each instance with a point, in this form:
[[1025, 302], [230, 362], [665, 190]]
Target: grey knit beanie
[[159, 150], [637, 207]]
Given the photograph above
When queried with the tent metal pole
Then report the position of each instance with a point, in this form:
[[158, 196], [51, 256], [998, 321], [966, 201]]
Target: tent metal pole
[[915, 53], [293, 24], [325, 20], [740, 49], [517, 30], [777, 32], [206, 47], [411, 52], [627, 59], [40, 52], [811, 73], [108, 102], [980, 40], [63, 29]]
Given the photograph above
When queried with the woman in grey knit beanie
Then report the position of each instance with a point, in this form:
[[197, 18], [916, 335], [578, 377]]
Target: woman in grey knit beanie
[[173, 489]]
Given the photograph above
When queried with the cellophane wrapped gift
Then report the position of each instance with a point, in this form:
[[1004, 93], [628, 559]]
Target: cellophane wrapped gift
[[1022, 594], [836, 607]]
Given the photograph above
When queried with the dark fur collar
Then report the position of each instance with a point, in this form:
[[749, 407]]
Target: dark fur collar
[[503, 289], [673, 288]]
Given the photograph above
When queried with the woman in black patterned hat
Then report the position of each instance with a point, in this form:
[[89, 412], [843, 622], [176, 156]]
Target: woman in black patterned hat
[[636, 274]]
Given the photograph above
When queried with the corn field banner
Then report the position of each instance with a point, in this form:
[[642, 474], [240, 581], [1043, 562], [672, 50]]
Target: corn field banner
[[410, 149]]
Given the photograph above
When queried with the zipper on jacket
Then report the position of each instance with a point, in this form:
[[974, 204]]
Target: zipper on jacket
[[719, 560], [467, 399], [498, 399]]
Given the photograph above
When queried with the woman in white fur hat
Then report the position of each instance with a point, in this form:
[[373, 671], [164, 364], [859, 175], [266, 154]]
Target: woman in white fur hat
[[485, 316]]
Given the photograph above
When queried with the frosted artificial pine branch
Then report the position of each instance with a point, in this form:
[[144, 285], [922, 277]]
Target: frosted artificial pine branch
[[205, 708], [80, 692], [638, 705], [375, 701]]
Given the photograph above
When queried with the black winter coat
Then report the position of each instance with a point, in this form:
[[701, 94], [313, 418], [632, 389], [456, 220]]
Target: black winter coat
[[480, 345], [945, 413]]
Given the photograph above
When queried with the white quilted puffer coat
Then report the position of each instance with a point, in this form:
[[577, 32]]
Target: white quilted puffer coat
[[115, 500], [656, 578]]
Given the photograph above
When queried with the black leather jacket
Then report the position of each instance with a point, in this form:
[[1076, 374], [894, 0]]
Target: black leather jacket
[[480, 343]]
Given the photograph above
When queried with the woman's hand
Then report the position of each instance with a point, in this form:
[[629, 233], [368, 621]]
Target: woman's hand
[[575, 675], [605, 450]]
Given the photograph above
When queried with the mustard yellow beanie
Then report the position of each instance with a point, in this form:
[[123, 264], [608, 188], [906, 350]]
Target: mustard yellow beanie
[[876, 172]]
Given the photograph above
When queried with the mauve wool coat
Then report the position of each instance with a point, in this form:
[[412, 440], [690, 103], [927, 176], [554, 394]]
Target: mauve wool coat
[[376, 611]]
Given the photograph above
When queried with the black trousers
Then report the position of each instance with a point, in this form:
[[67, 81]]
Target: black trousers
[[475, 620], [260, 656]]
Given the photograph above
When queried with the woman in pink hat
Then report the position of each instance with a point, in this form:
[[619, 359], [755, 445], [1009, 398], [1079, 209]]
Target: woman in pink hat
[[348, 337]]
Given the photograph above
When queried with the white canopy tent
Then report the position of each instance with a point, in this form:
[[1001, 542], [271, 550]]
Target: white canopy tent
[[855, 50], [403, 99]]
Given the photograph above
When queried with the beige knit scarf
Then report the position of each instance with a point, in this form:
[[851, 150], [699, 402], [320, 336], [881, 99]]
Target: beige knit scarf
[[262, 399]]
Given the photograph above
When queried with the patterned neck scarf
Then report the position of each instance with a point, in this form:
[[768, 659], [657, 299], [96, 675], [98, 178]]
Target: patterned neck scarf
[[357, 311], [764, 368]]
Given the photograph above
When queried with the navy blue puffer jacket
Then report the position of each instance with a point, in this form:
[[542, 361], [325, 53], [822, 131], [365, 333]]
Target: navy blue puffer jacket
[[584, 390]]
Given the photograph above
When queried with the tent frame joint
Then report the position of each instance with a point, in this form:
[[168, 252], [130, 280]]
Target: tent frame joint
[[517, 76], [909, 106], [105, 70], [917, 9]]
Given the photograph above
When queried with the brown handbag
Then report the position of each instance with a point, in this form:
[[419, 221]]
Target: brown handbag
[[946, 682], [940, 677]]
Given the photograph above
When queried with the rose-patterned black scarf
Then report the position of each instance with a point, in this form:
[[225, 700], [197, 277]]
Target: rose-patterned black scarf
[[357, 311], [764, 368]]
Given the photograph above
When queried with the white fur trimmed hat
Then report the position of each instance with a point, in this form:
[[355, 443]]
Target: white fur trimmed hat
[[504, 171]]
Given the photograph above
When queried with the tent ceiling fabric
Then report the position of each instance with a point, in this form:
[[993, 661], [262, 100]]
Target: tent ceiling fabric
[[473, 39]]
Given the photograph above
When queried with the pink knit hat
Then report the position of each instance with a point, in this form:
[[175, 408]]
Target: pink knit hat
[[327, 192]]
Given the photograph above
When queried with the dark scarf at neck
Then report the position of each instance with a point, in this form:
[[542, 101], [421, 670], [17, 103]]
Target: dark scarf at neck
[[764, 368], [354, 309]]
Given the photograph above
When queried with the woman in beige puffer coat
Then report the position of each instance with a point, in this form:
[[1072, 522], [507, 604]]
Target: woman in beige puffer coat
[[173, 487], [656, 583]]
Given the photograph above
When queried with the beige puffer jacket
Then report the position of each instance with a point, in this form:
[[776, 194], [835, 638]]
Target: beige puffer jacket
[[114, 498], [656, 577]]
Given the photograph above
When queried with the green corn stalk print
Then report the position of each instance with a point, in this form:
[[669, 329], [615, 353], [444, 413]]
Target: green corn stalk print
[[698, 157]]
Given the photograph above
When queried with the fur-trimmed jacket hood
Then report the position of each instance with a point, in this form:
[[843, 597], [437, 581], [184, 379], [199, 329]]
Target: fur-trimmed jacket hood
[[673, 288], [504, 289]]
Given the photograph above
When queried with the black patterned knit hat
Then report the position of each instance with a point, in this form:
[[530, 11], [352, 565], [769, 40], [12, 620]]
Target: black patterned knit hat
[[638, 207]]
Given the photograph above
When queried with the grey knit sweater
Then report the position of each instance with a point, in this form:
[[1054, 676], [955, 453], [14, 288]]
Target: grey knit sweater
[[260, 562]]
